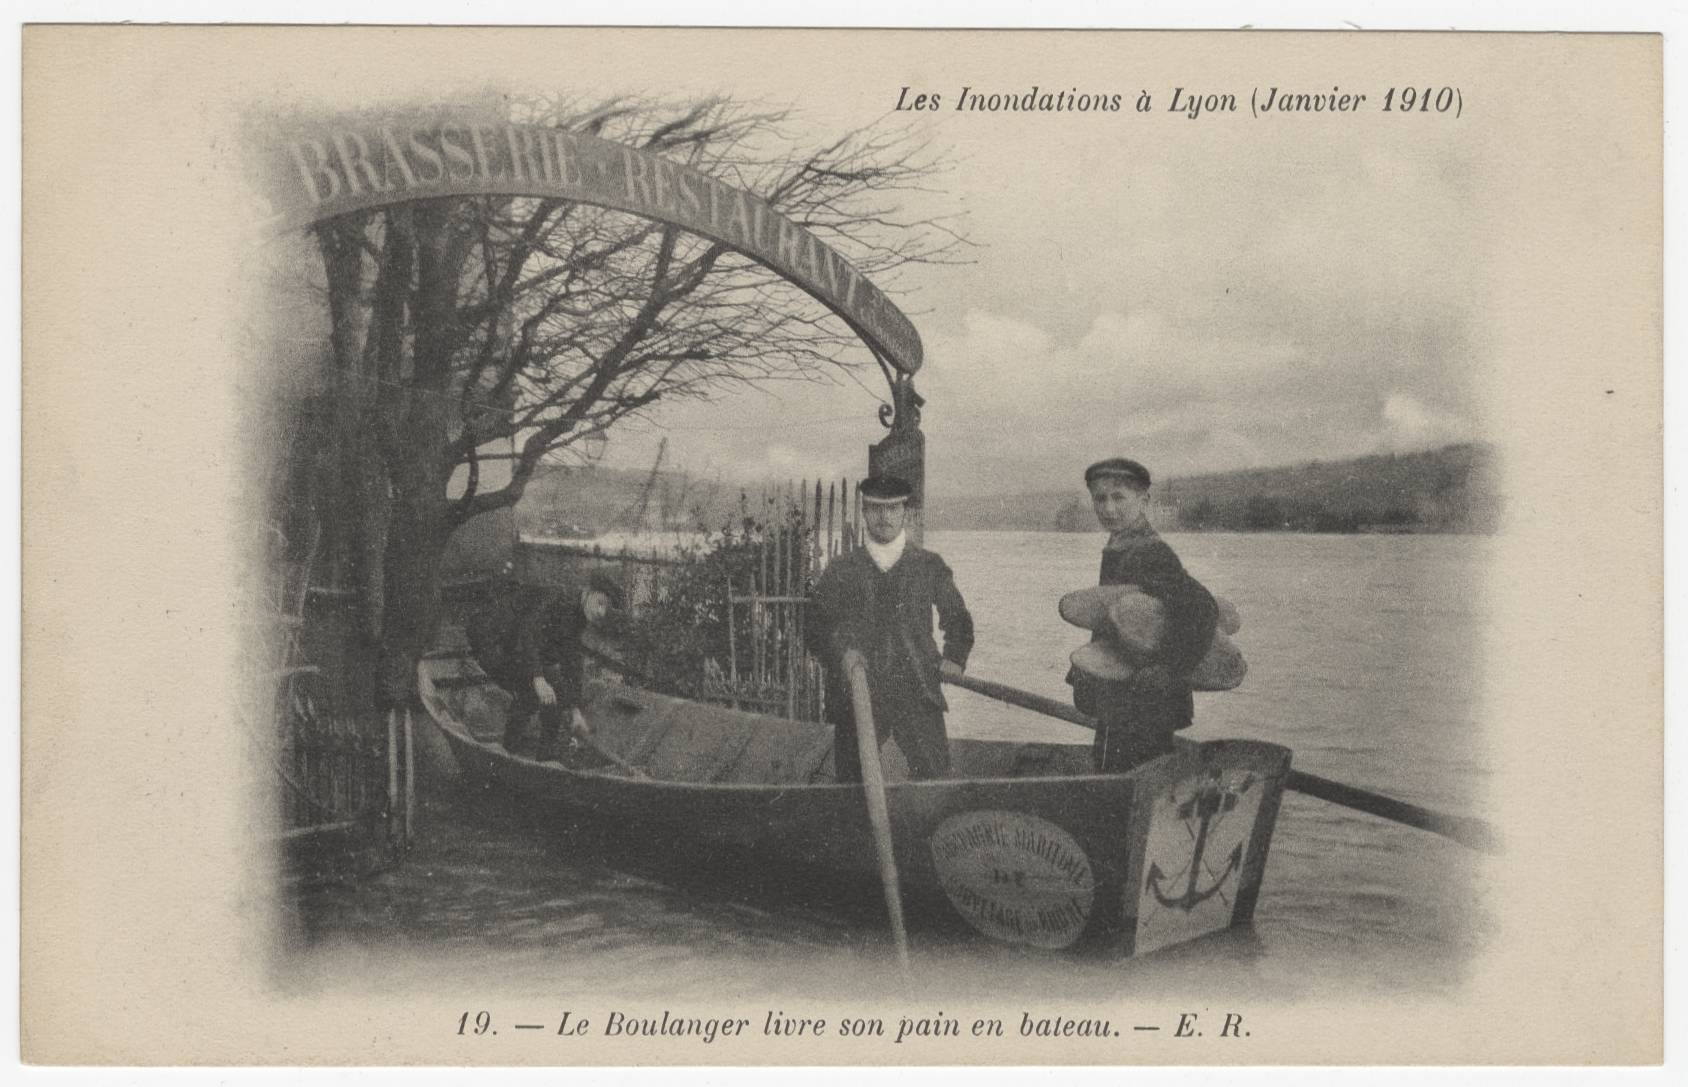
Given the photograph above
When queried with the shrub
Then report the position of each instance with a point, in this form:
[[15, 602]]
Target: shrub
[[679, 635]]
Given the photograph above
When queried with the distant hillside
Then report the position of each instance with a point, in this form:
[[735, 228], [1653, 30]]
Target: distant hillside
[[588, 502], [1035, 511], [1452, 489]]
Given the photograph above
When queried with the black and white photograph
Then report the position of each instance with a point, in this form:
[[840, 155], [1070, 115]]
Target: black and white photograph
[[840, 547]]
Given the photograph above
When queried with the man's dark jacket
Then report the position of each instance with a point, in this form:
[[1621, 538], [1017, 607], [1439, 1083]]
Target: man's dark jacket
[[1141, 558], [888, 618], [526, 632]]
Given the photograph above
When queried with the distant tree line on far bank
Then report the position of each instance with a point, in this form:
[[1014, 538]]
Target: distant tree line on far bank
[[1265, 514], [1451, 489], [1257, 514]]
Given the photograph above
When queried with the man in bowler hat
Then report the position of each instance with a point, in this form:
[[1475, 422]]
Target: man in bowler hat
[[879, 600]]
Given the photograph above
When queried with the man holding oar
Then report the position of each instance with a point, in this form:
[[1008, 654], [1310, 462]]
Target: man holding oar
[[879, 600]]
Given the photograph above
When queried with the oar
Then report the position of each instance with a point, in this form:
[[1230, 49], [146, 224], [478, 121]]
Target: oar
[[1024, 699], [1467, 831], [878, 811]]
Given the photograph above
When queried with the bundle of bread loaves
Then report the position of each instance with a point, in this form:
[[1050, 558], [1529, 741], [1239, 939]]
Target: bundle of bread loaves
[[1127, 626]]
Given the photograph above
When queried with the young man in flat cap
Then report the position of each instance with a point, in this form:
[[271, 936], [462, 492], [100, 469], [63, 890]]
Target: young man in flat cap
[[530, 643], [1136, 717], [879, 600]]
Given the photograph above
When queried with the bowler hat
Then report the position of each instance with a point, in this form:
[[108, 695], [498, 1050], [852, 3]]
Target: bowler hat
[[885, 489]]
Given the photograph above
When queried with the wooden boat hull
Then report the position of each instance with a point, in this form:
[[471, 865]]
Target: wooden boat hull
[[1024, 846]]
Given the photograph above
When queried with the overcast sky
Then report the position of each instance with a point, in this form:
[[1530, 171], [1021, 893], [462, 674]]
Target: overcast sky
[[1207, 294], [1236, 298]]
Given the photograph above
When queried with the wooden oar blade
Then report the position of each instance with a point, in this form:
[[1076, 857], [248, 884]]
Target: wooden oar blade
[[878, 810], [1466, 830]]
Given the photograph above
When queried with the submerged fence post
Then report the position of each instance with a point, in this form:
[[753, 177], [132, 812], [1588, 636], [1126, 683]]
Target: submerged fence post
[[732, 643], [409, 779], [394, 812], [814, 537]]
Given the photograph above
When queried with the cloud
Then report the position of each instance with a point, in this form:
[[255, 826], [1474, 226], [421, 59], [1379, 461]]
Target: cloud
[[1410, 424], [1013, 404], [1242, 304]]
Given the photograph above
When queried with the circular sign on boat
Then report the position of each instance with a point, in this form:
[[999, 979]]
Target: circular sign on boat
[[1015, 877]]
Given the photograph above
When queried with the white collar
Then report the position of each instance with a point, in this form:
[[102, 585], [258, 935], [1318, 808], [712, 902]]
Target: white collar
[[885, 555]]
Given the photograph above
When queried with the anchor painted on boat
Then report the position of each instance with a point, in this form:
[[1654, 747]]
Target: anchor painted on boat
[[1210, 801]]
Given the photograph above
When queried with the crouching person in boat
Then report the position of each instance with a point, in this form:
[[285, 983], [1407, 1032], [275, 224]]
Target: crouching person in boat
[[879, 600], [530, 644], [1139, 709]]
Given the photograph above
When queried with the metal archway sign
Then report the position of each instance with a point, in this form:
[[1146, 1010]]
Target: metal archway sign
[[356, 166]]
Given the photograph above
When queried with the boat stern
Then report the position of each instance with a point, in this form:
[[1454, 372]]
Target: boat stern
[[1202, 823]]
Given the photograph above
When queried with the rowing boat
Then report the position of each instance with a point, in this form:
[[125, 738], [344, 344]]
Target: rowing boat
[[1024, 845]]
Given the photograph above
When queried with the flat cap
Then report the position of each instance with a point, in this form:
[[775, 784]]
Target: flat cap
[[885, 489], [1117, 468]]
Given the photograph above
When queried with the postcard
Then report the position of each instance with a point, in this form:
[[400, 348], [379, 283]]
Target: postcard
[[835, 547]]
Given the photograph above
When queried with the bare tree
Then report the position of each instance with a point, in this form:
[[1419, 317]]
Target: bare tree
[[456, 322]]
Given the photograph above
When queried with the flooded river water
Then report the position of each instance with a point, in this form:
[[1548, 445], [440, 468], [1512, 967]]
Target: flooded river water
[[1364, 658]]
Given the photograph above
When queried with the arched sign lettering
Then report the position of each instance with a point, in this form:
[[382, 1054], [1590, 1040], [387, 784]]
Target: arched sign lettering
[[343, 169]]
